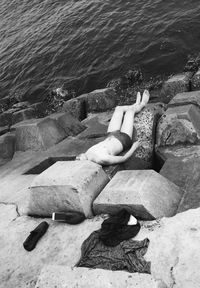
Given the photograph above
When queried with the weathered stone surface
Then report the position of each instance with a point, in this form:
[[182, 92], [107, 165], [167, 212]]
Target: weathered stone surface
[[176, 84], [21, 105], [70, 124], [5, 118], [22, 115], [7, 146], [61, 245], [76, 107], [67, 186], [53, 276], [39, 108], [186, 174], [143, 192], [186, 98], [4, 130], [100, 100], [179, 125], [183, 151], [195, 81], [173, 250], [94, 128], [38, 134]]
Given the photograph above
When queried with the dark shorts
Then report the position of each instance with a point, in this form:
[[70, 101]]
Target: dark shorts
[[124, 138]]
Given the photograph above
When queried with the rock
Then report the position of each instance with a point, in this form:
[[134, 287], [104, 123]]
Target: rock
[[53, 276], [70, 124], [39, 108], [38, 134], [22, 115], [61, 245], [100, 100], [173, 250], [7, 146], [144, 193], [183, 151], [179, 125], [94, 128], [176, 84], [21, 105], [76, 107], [4, 130], [5, 118], [195, 81], [67, 186], [186, 174], [186, 98]]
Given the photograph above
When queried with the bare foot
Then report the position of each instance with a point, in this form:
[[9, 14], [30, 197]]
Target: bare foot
[[139, 105]]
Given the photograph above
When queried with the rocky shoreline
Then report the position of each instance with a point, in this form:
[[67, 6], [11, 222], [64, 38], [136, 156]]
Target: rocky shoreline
[[164, 175]]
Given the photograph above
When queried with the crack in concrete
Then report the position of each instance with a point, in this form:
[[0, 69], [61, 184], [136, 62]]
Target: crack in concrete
[[171, 273], [16, 208]]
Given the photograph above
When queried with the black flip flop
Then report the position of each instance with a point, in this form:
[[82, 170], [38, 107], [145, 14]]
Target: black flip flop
[[70, 217], [31, 241]]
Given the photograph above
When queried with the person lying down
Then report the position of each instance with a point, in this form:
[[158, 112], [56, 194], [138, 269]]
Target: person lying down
[[120, 135]]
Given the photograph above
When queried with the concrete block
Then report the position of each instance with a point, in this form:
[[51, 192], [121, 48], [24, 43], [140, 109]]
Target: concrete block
[[7, 146], [186, 98], [53, 276], [180, 124], [185, 173], [176, 84], [22, 115], [67, 186], [70, 124], [195, 81], [94, 128], [4, 130], [5, 118], [76, 107], [145, 193], [100, 100], [38, 134]]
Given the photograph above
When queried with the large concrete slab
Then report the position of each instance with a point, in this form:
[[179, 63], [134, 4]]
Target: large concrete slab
[[176, 84], [185, 172], [186, 98], [38, 134], [7, 146], [53, 276], [70, 124], [179, 124], [145, 193], [67, 186]]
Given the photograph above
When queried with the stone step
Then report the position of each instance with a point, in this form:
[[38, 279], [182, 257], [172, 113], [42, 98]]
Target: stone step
[[53, 276], [67, 186], [145, 193]]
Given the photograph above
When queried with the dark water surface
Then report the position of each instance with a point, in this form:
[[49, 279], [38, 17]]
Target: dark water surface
[[85, 43]]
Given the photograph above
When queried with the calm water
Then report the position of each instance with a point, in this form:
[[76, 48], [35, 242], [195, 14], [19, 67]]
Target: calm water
[[84, 44]]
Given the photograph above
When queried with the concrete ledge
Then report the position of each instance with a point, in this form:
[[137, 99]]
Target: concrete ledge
[[145, 193], [66, 186], [53, 276]]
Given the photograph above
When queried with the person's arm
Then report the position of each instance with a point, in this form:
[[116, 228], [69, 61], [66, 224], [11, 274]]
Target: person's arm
[[109, 160]]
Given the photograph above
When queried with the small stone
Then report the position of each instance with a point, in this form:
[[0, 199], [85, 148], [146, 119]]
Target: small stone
[[67, 186], [145, 193]]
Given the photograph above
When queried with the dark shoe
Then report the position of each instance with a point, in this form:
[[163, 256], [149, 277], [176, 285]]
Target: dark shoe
[[31, 241], [71, 217]]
